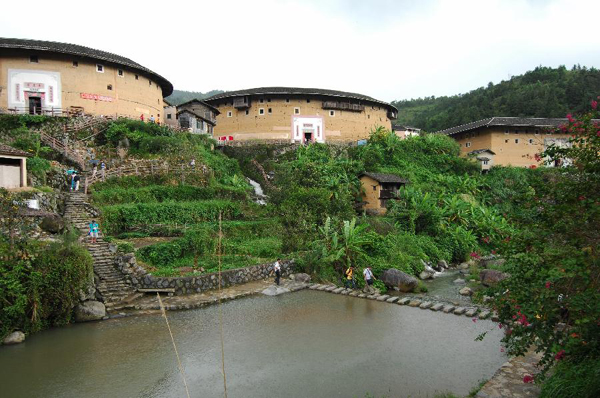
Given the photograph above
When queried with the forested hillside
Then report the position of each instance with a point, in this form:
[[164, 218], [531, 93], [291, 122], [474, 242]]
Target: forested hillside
[[180, 96], [543, 92]]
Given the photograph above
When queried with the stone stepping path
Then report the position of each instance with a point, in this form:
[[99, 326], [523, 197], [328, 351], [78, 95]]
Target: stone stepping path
[[446, 308]]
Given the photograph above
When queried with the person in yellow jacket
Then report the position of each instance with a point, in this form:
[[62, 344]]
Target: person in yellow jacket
[[349, 280]]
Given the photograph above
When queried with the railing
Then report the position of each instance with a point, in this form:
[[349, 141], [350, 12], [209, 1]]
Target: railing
[[388, 194], [60, 147], [240, 103], [147, 168], [344, 106], [38, 110]]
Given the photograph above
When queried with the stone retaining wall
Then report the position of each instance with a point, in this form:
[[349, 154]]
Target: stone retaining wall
[[197, 283]]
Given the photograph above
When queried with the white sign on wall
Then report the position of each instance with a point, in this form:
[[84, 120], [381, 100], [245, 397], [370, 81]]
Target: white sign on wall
[[23, 84], [306, 129]]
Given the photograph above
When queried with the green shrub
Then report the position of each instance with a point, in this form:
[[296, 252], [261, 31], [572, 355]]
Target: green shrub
[[40, 286], [125, 247], [162, 193], [569, 380], [121, 218]]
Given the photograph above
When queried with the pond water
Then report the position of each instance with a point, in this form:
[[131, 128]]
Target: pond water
[[304, 344]]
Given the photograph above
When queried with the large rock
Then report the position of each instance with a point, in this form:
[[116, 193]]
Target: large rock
[[303, 278], [398, 279], [466, 291], [52, 224], [89, 311], [490, 277], [14, 338], [443, 264], [275, 291], [426, 275]]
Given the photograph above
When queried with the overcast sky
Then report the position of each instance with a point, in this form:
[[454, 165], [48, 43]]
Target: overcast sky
[[388, 49]]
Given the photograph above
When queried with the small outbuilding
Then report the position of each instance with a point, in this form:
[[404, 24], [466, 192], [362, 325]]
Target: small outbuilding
[[485, 157], [379, 189], [13, 167]]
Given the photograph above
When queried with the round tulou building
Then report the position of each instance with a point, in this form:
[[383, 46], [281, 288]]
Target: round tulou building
[[298, 115], [43, 77]]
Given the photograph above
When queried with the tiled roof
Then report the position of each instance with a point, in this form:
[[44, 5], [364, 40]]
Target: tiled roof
[[195, 100], [381, 177], [9, 150], [81, 51], [478, 151], [212, 122], [299, 91], [506, 121]]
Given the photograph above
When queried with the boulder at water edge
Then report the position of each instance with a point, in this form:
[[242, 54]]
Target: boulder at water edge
[[395, 278], [275, 290], [89, 311], [466, 291], [490, 277], [14, 338], [426, 275], [302, 278], [443, 264]]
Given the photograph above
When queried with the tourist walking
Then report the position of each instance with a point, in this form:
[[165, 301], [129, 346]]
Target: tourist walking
[[71, 174], [93, 231], [151, 118], [76, 179], [349, 280], [277, 271], [103, 170], [369, 279], [142, 117], [94, 171], [193, 163]]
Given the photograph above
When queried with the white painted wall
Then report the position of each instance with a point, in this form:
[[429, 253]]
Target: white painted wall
[[10, 176], [302, 124], [18, 80]]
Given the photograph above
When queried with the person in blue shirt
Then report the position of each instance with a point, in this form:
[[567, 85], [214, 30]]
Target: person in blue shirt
[[94, 231]]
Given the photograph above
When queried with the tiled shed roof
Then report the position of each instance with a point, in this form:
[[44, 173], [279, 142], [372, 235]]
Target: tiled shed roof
[[9, 150], [506, 121], [382, 177]]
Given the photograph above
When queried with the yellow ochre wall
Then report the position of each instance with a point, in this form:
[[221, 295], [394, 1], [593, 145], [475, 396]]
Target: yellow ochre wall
[[370, 195], [344, 126], [131, 97], [507, 153]]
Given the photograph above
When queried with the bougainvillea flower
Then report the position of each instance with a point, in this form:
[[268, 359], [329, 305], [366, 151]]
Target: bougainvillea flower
[[559, 355], [548, 284], [528, 379]]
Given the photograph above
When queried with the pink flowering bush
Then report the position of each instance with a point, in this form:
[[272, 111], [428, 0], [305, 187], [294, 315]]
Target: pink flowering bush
[[551, 301]]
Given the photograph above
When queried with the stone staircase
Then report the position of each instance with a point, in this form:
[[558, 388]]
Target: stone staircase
[[115, 288]]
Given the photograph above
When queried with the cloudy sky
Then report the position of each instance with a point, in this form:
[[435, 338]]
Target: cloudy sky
[[388, 49]]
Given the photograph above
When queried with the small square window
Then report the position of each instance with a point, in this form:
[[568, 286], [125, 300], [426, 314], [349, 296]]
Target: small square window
[[374, 187], [120, 72], [308, 101], [287, 100], [270, 110], [516, 140], [268, 99], [149, 82], [109, 87], [485, 161], [531, 141], [261, 100], [229, 113], [247, 112], [136, 77], [33, 59], [261, 111], [537, 132], [100, 68], [331, 113], [468, 145], [75, 64], [506, 141], [505, 131], [296, 111], [168, 116]]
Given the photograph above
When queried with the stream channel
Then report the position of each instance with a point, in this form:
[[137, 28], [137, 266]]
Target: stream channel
[[303, 344]]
